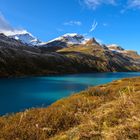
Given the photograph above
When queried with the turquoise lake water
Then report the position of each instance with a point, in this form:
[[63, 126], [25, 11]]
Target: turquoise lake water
[[18, 94]]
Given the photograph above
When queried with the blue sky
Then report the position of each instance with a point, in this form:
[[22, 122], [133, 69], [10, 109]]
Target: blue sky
[[116, 21]]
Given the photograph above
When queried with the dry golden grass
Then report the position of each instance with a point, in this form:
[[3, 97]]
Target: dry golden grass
[[106, 112], [87, 49]]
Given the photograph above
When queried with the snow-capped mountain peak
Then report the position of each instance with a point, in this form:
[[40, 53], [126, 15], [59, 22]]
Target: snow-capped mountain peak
[[71, 38], [26, 38], [116, 48]]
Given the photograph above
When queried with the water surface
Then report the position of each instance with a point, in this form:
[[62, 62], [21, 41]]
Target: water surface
[[17, 94]]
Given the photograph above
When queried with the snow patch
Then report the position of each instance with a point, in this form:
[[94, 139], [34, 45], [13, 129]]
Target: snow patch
[[71, 38], [25, 37]]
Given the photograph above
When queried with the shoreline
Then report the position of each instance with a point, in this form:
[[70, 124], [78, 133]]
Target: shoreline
[[108, 105], [59, 74]]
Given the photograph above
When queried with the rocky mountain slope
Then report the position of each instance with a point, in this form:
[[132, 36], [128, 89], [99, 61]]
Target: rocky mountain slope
[[19, 59], [26, 38], [105, 112], [63, 41]]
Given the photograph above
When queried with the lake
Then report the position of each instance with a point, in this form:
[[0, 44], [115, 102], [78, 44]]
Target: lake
[[18, 94]]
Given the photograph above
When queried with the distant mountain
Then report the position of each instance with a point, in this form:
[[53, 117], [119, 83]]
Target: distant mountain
[[26, 38], [115, 47], [119, 49], [66, 40], [71, 38], [9, 42], [73, 54]]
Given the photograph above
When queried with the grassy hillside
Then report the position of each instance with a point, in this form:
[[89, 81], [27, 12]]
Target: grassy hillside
[[17, 59], [108, 112]]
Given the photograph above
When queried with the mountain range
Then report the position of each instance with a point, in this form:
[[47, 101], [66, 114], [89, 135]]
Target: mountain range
[[24, 54]]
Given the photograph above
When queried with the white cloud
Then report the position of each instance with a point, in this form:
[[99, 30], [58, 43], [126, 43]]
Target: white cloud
[[127, 4], [133, 3], [95, 3], [105, 24], [72, 23], [13, 32], [130, 4], [93, 27], [7, 29], [4, 25]]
